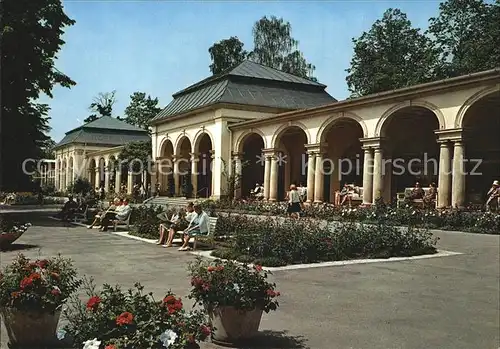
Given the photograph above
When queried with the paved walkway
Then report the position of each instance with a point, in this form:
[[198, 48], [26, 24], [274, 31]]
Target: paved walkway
[[450, 302]]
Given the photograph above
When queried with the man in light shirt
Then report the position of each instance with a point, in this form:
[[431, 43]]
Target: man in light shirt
[[121, 213], [198, 225]]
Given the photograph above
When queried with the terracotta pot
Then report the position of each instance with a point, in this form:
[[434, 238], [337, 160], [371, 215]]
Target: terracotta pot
[[30, 329], [231, 326]]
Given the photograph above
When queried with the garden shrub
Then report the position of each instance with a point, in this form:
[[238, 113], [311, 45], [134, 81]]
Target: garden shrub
[[145, 222], [274, 242]]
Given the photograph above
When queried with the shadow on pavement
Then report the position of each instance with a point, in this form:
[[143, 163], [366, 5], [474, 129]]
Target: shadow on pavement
[[19, 247], [276, 340]]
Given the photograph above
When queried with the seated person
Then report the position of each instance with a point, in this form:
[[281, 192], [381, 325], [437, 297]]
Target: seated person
[[98, 217], [493, 195], [121, 213], [341, 196], [197, 226], [68, 209], [172, 225], [258, 191], [416, 193], [302, 192], [430, 198]]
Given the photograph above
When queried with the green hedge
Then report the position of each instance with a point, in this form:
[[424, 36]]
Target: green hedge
[[277, 242]]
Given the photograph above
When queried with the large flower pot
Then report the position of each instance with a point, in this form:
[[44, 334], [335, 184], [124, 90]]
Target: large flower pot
[[6, 239], [30, 329], [232, 326]]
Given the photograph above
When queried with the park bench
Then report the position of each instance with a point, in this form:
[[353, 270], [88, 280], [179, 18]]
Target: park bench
[[355, 198], [79, 217], [212, 224], [419, 203], [124, 222]]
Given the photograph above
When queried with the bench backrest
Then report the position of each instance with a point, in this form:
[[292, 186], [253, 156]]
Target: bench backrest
[[426, 190], [212, 224]]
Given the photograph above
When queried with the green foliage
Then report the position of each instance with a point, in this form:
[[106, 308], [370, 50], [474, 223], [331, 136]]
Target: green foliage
[[145, 221], [226, 283], [273, 46], [286, 241], [41, 285], [132, 319], [226, 54], [31, 33], [467, 35], [81, 186], [137, 155], [141, 110], [391, 55], [102, 105]]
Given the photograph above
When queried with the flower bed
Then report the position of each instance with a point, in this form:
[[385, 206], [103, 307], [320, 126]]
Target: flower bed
[[471, 221], [283, 242], [28, 198]]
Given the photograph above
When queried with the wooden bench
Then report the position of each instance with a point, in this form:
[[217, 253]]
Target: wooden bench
[[79, 217], [356, 198], [415, 202], [125, 222], [212, 224]]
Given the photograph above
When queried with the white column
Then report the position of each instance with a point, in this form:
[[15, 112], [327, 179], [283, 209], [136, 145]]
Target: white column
[[97, 177], [319, 179], [213, 170], [194, 173], [267, 176], [130, 182], [378, 180], [273, 180], [118, 180], [444, 179], [56, 178], [106, 177], [176, 175], [368, 177], [238, 174], [311, 164], [458, 189]]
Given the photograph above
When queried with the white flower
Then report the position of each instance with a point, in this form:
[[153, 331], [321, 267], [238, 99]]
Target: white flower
[[167, 338], [236, 287], [61, 333], [91, 344]]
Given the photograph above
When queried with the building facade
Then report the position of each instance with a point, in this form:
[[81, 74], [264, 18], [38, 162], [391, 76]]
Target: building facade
[[278, 129], [91, 151]]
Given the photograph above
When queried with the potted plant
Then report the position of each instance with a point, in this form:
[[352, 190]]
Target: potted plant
[[10, 231], [31, 296], [234, 295], [113, 319]]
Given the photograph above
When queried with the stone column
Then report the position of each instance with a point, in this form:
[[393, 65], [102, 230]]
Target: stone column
[[212, 178], [444, 179], [238, 174], [267, 176], [118, 180], [458, 189], [194, 173], [153, 178], [107, 173], [378, 179], [273, 180], [319, 179], [176, 175], [56, 176], [98, 176], [368, 177], [130, 182], [311, 164]]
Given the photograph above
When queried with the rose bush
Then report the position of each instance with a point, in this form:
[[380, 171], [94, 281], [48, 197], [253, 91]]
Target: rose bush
[[113, 319], [42, 285], [226, 283]]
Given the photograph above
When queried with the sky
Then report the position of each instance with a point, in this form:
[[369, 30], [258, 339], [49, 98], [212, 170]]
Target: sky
[[160, 47]]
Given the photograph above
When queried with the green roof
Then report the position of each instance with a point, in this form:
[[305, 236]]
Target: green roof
[[107, 131], [249, 83]]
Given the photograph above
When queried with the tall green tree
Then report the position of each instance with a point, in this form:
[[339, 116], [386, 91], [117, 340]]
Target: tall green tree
[[274, 46], [31, 36], [102, 105], [467, 35], [141, 110], [226, 54], [136, 155], [391, 55]]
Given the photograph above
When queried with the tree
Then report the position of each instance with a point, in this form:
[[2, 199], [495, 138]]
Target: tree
[[137, 155], [273, 47], [391, 55], [48, 149], [226, 54], [31, 33], [102, 105], [141, 110], [467, 35]]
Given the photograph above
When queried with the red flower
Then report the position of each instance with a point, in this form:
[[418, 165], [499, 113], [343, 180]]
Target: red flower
[[272, 293], [26, 282], [111, 346], [125, 318], [205, 330], [93, 303], [219, 268], [169, 299], [15, 294], [258, 268], [42, 263], [35, 276], [205, 286], [196, 281], [211, 269], [55, 292]]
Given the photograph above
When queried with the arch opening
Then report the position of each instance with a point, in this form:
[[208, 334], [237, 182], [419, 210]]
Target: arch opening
[[92, 169], [165, 167], [481, 125], [343, 163], [204, 167], [411, 151], [183, 157], [252, 172]]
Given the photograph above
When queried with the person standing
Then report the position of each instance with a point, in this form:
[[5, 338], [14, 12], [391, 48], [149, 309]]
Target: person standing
[[294, 202]]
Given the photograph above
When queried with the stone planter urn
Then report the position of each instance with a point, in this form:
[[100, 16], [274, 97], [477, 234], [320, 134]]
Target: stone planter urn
[[27, 329], [232, 326]]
